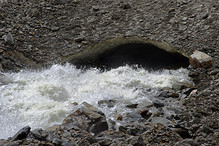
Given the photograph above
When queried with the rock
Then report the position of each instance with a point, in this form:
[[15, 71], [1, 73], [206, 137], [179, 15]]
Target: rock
[[60, 2], [33, 12], [8, 38], [119, 117], [158, 104], [163, 94], [1, 51], [21, 134], [173, 94], [87, 118], [79, 39], [134, 140], [126, 6], [187, 142], [134, 116], [145, 114], [54, 128], [206, 130], [111, 135], [95, 8], [132, 105], [200, 59], [109, 103], [39, 134], [205, 15]]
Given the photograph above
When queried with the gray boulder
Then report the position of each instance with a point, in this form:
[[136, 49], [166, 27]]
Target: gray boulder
[[86, 118]]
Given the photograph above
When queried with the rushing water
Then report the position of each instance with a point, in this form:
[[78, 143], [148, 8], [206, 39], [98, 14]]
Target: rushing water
[[43, 98]]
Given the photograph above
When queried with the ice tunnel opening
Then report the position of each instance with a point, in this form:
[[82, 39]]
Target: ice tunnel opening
[[143, 55]]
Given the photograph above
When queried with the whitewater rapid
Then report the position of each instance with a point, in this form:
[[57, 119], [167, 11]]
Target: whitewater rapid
[[43, 98]]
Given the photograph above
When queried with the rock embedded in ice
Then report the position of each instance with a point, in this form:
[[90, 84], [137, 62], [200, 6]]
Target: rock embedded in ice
[[200, 59]]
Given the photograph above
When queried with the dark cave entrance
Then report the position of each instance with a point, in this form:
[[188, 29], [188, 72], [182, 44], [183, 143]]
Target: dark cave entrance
[[143, 55]]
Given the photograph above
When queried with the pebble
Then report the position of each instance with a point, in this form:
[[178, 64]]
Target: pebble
[[8, 38], [158, 103], [127, 6]]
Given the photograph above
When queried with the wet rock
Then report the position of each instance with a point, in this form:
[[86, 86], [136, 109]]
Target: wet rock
[[8, 38], [39, 134], [158, 104], [145, 114], [109, 103], [187, 91], [54, 128], [21, 134], [162, 121], [87, 118], [135, 129], [119, 117], [134, 116], [173, 94], [163, 94], [200, 59], [132, 106]]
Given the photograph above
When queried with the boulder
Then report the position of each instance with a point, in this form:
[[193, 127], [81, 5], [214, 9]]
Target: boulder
[[86, 118], [21, 134], [200, 59]]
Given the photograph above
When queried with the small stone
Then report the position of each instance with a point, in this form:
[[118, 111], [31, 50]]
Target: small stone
[[54, 128], [95, 8], [145, 114], [33, 12], [75, 103], [207, 130], [173, 94], [1, 51], [109, 103], [193, 92], [132, 106], [200, 59], [84, 42], [171, 10], [158, 104], [54, 28], [163, 94], [204, 16], [60, 2], [79, 39], [127, 6], [184, 18], [119, 117], [8, 38]]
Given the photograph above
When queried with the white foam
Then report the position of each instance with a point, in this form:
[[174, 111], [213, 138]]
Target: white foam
[[43, 98]]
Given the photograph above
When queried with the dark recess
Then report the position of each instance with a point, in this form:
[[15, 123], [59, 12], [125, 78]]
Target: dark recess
[[144, 55]]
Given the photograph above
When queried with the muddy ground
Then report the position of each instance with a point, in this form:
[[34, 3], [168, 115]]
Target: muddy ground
[[41, 32]]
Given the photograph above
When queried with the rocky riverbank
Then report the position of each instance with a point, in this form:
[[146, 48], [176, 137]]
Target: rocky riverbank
[[40, 33]]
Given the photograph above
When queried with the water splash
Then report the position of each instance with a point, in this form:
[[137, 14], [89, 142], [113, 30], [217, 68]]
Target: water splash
[[43, 98]]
